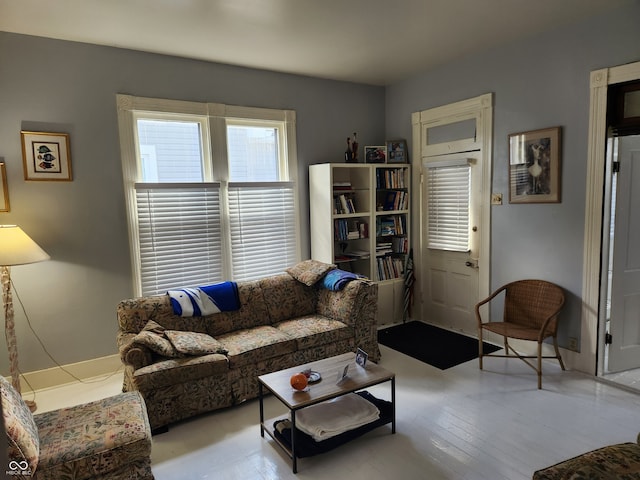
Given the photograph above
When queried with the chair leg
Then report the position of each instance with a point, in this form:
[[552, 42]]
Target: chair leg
[[539, 365], [555, 345], [480, 350]]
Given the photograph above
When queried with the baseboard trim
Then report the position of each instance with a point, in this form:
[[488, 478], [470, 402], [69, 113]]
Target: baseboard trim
[[87, 369]]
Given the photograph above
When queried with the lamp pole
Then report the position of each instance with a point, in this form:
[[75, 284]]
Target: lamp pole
[[16, 248], [9, 327]]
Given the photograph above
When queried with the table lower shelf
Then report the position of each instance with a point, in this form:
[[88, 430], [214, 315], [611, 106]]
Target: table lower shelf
[[307, 447]]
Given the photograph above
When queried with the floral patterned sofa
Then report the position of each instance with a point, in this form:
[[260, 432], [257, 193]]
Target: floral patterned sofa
[[283, 321], [613, 462], [108, 439]]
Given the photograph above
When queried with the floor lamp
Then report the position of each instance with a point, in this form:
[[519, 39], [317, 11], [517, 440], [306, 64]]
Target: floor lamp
[[16, 248]]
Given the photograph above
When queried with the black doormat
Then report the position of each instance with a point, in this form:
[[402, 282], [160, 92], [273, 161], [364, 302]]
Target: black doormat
[[438, 347]]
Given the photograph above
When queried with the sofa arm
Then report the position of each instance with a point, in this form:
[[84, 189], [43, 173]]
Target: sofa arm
[[132, 353], [357, 306]]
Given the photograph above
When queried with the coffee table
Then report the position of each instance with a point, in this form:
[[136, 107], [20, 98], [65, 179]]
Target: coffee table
[[278, 383]]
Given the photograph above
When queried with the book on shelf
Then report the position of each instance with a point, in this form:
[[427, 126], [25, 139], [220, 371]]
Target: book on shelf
[[350, 229], [390, 267], [396, 200], [384, 248], [392, 225], [400, 245], [344, 203], [342, 186], [391, 178], [357, 254], [363, 228]]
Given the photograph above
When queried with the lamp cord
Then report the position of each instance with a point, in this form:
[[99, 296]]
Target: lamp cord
[[44, 348]]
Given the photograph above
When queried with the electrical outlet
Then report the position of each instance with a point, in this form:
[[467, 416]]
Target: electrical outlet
[[496, 199], [573, 344]]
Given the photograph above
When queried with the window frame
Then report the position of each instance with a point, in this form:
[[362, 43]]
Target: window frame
[[205, 140], [214, 117]]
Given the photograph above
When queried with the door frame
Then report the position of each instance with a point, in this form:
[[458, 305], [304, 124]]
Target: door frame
[[481, 109], [590, 359]]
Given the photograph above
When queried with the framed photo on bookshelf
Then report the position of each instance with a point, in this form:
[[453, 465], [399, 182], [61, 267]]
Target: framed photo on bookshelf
[[397, 151], [375, 154]]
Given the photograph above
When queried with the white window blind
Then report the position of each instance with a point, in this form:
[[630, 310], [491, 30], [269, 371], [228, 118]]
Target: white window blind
[[448, 215], [262, 227], [179, 235]]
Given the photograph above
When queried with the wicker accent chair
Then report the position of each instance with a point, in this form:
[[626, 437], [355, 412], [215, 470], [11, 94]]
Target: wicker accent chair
[[531, 310]]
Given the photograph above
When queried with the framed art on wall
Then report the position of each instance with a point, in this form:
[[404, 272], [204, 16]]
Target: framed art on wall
[[534, 166], [4, 189], [46, 156]]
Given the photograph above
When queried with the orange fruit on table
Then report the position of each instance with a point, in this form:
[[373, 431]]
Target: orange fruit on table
[[299, 381]]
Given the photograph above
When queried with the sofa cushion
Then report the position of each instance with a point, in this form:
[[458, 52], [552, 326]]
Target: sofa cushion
[[256, 344], [154, 327], [314, 330], [20, 426], [95, 439], [287, 298], [253, 312], [194, 343], [134, 314], [156, 343], [174, 371], [309, 271]]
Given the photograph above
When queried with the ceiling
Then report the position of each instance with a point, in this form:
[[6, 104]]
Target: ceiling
[[377, 42]]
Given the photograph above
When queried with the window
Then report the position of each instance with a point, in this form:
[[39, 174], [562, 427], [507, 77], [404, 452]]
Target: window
[[211, 192], [170, 150], [449, 186]]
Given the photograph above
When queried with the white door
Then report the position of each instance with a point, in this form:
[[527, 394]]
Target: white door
[[624, 351], [452, 282], [451, 272]]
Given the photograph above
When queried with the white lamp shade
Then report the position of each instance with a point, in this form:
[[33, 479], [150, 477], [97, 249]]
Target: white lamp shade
[[17, 248]]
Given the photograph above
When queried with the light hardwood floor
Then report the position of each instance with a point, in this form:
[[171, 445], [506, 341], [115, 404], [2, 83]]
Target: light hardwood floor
[[461, 423]]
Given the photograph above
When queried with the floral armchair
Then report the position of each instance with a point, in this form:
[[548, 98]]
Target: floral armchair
[[100, 440]]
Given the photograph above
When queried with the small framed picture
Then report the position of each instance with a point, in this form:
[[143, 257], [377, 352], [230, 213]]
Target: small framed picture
[[343, 375], [4, 189], [397, 151], [534, 166], [361, 357], [46, 156], [375, 154]]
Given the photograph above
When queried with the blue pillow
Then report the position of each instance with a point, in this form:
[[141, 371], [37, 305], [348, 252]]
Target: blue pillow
[[337, 279]]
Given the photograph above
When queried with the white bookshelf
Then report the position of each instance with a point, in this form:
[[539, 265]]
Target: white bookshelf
[[360, 221]]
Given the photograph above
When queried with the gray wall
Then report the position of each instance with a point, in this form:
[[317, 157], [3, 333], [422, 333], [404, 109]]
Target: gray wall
[[539, 82], [57, 86]]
